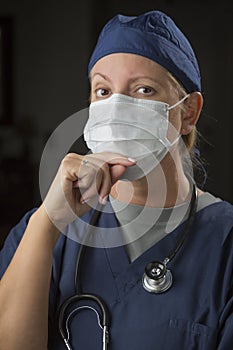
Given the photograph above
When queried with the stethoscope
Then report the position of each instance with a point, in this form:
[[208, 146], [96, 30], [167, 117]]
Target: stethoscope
[[157, 278]]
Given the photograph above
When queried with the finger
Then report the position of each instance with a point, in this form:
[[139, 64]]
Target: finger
[[70, 167], [103, 185], [86, 175], [116, 172], [108, 157], [96, 176], [112, 170], [122, 161], [113, 158], [82, 174], [93, 190], [106, 184]]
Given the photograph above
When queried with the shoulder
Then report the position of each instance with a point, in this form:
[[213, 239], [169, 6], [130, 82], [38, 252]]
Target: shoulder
[[218, 210], [216, 219], [12, 241], [16, 233]]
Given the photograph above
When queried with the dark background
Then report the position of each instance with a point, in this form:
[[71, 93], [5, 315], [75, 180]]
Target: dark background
[[45, 47]]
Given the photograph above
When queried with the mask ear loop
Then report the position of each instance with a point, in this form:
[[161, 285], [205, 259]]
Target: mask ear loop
[[173, 106], [178, 103]]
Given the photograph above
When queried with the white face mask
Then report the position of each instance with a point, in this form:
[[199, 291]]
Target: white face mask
[[136, 128]]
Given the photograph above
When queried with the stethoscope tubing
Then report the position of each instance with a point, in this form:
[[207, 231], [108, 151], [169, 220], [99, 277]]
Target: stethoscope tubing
[[76, 298], [104, 321], [188, 224], [94, 218]]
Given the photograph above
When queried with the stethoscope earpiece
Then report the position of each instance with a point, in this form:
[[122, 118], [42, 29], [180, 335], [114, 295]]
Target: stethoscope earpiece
[[156, 278]]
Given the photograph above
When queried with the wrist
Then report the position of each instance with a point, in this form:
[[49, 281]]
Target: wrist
[[41, 219]]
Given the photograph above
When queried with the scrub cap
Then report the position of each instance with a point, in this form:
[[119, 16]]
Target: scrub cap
[[153, 35]]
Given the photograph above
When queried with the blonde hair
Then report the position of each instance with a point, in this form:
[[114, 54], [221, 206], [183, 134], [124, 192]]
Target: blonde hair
[[190, 139], [191, 142]]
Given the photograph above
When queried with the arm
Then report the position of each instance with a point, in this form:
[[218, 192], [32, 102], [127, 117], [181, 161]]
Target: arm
[[24, 288]]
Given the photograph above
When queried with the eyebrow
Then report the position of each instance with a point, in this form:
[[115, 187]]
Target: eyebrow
[[139, 77], [105, 77], [132, 80]]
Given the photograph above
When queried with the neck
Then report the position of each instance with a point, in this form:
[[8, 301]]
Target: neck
[[166, 186]]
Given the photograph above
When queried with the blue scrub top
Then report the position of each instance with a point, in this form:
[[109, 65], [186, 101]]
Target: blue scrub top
[[196, 313]]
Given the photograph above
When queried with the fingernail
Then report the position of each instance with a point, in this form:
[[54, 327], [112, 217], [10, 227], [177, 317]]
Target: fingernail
[[132, 160]]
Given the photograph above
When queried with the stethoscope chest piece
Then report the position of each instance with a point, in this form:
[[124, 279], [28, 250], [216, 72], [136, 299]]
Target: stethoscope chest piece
[[156, 278]]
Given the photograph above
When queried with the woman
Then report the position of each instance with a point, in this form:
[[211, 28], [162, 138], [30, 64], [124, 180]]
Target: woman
[[143, 73]]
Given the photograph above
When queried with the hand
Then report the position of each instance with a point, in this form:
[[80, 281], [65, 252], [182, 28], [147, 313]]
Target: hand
[[82, 181]]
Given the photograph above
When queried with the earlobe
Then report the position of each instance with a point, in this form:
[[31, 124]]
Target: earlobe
[[193, 107]]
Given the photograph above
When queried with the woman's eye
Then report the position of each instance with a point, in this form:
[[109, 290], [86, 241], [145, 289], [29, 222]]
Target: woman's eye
[[145, 90], [102, 92]]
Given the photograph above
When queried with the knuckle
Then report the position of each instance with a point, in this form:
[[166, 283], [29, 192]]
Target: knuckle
[[72, 155], [64, 162]]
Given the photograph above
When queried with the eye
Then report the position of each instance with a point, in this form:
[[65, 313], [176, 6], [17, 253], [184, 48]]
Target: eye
[[101, 92], [145, 90]]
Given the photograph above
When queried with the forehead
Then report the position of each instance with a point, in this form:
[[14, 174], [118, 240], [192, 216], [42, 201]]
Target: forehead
[[128, 65]]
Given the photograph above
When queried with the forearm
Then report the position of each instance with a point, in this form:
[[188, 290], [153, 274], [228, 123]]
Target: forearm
[[24, 288]]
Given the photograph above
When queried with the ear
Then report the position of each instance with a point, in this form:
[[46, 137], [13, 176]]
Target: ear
[[191, 113]]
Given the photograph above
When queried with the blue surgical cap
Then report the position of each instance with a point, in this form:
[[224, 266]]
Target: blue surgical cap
[[153, 35]]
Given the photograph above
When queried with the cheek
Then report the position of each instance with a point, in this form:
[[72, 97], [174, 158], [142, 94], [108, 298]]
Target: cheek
[[92, 97]]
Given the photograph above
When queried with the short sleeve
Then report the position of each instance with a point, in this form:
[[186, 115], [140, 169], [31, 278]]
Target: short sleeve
[[12, 241]]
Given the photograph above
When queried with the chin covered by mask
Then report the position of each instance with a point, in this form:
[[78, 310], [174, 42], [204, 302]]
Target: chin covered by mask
[[135, 128]]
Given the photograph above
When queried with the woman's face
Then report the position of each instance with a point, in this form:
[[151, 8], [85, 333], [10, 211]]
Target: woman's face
[[135, 76]]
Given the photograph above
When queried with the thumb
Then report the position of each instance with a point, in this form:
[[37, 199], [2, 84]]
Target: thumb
[[116, 171]]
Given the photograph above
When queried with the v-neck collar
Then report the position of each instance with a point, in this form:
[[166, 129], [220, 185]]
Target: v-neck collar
[[125, 273]]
